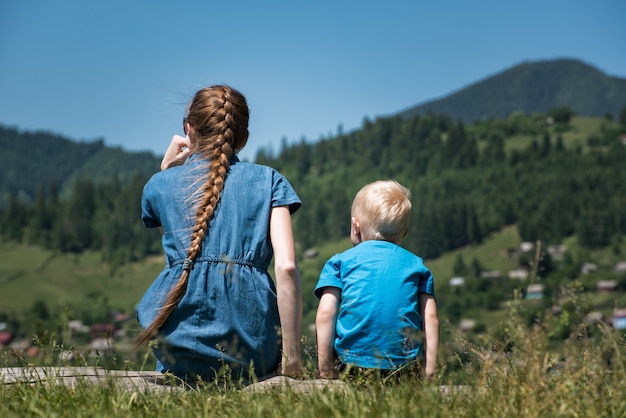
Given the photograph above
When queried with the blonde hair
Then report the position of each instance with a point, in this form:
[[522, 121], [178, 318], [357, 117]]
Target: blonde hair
[[219, 117], [383, 209]]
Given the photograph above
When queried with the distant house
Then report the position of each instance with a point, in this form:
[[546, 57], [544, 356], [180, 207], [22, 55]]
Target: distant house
[[535, 291], [102, 345], [490, 274], [587, 268], [556, 309], [620, 267], [310, 253], [76, 325], [594, 317], [5, 338], [606, 286], [21, 345], [619, 319], [467, 324], [457, 281], [519, 274], [526, 246], [557, 251]]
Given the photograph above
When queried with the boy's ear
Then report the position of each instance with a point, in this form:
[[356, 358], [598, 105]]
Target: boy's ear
[[356, 226]]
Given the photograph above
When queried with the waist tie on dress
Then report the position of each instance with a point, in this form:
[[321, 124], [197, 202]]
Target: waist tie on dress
[[223, 260]]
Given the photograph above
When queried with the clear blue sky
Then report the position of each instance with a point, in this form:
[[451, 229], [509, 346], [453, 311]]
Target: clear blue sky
[[123, 70]]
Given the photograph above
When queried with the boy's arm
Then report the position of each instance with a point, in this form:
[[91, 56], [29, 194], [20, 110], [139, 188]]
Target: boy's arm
[[430, 325], [325, 322]]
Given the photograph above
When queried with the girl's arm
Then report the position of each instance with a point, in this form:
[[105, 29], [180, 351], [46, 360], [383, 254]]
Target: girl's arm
[[288, 288], [325, 322], [430, 325]]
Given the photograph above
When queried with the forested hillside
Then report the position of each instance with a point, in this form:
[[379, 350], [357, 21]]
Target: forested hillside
[[553, 180], [32, 161], [72, 197], [533, 87]]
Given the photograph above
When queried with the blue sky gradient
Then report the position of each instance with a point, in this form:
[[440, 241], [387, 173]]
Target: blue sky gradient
[[123, 71]]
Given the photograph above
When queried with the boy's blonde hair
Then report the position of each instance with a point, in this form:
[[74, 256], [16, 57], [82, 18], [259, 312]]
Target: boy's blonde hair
[[383, 209]]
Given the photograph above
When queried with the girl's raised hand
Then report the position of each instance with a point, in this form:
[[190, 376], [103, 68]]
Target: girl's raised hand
[[177, 152]]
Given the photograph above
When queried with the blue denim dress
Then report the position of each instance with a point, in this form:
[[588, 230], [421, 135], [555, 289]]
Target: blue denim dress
[[229, 315]]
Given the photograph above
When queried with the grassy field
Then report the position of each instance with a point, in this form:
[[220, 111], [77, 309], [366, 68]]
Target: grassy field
[[580, 130], [493, 254], [586, 379], [29, 274]]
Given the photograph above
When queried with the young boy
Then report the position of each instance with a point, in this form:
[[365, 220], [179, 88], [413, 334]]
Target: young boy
[[377, 297]]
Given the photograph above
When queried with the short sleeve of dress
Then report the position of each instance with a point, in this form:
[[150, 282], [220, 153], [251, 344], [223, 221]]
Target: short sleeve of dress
[[330, 276], [426, 284], [148, 216], [283, 193]]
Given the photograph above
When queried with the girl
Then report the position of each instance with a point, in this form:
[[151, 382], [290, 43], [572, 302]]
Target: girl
[[215, 306]]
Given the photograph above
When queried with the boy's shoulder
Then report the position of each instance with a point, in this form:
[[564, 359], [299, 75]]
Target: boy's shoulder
[[379, 247]]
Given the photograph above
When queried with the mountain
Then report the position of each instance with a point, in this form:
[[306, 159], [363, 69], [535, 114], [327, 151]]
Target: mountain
[[33, 160], [533, 87]]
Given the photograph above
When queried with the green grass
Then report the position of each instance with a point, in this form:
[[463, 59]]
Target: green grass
[[28, 274], [492, 254], [579, 131], [585, 379], [583, 128]]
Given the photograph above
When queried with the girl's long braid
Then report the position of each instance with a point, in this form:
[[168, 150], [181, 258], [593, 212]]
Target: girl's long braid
[[218, 151]]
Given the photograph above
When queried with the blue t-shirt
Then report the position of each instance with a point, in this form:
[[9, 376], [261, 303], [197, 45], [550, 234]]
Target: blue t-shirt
[[229, 314], [379, 324]]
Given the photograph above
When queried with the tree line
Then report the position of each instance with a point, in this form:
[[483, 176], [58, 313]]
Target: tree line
[[99, 216], [32, 160], [466, 182]]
